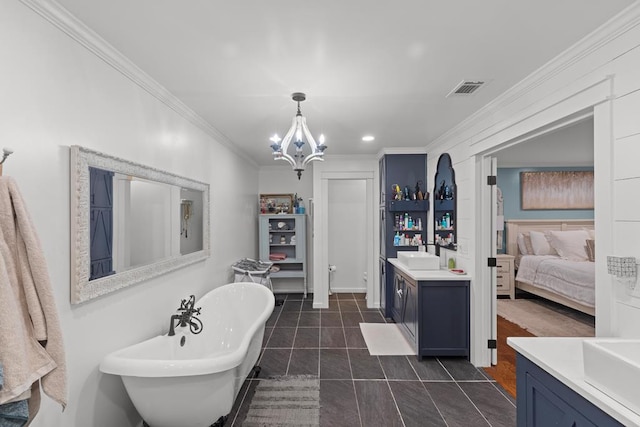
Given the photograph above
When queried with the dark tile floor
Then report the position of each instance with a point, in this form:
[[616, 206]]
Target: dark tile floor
[[357, 389]]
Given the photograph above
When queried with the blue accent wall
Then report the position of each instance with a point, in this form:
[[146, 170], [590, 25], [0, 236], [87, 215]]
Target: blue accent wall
[[509, 183]]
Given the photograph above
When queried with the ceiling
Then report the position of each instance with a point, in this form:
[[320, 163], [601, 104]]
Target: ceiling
[[570, 145], [381, 68]]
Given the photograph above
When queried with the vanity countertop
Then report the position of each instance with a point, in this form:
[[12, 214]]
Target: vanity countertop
[[419, 275], [562, 358]]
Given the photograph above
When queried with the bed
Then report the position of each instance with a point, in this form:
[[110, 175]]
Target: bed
[[560, 272]]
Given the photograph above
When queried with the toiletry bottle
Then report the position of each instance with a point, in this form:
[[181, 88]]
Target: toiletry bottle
[[452, 263], [396, 239], [410, 223], [420, 224], [406, 221]]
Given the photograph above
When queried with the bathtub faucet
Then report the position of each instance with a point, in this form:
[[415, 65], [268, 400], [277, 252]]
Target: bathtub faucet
[[186, 316]]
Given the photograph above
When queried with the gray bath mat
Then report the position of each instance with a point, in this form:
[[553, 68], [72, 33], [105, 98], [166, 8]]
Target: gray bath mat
[[285, 401]]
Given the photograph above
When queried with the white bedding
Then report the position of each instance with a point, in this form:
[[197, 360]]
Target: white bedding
[[572, 279]]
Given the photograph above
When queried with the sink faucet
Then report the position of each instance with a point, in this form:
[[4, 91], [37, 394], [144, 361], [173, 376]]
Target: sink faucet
[[186, 317]]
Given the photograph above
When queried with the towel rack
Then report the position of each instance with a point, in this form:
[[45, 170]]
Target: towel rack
[[5, 153]]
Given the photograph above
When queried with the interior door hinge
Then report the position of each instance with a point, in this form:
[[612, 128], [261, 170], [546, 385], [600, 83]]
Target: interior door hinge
[[492, 344], [492, 262], [492, 180]]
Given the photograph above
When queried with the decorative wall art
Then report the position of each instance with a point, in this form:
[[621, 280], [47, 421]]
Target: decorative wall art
[[276, 203], [556, 190]]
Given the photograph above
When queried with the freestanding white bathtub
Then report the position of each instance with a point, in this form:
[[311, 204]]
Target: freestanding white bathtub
[[194, 384]]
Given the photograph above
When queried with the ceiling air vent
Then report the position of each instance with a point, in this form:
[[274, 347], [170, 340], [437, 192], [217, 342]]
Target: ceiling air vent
[[465, 88]]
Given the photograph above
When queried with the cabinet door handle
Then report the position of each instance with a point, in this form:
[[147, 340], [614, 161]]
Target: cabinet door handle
[[399, 292], [499, 277]]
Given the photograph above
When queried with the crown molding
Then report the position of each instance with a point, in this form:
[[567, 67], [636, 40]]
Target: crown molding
[[85, 36], [624, 21]]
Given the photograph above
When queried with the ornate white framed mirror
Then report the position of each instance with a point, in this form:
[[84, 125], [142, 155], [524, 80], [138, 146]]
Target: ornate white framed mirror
[[131, 222]]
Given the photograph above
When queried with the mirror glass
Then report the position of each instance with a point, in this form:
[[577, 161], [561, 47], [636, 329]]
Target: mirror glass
[[131, 222]]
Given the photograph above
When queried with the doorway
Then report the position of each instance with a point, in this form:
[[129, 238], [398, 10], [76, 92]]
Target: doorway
[[323, 176], [347, 235], [525, 316]]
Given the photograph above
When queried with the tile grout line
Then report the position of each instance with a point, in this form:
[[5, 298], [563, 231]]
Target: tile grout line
[[473, 403], [353, 384], [293, 344], [395, 402]]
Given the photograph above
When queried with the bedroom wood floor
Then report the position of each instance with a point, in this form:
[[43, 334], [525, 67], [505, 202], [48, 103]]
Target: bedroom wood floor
[[504, 372]]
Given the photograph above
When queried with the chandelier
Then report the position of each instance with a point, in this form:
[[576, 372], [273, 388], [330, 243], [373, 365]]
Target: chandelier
[[298, 128]]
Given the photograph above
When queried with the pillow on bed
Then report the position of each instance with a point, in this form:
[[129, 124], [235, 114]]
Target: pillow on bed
[[524, 244], [540, 244], [570, 245]]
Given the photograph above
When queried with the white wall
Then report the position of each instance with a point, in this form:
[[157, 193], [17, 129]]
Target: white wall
[[56, 93], [598, 74], [347, 234]]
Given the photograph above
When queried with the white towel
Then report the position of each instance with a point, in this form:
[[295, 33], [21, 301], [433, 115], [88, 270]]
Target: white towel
[[31, 346]]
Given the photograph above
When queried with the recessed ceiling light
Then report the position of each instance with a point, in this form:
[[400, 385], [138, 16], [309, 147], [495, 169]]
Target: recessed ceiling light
[[368, 138]]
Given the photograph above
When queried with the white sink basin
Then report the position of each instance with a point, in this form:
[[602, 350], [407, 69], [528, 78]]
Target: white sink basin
[[612, 365], [419, 260]]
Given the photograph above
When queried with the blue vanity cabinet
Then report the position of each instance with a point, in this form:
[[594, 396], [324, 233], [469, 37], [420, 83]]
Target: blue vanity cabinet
[[405, 170], [397, 300], [443, 318], [542, 400], [404, 305], [383, 271], [432, 314]]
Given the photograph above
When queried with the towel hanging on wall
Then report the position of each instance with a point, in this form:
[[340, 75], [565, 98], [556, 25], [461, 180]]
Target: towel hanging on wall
[[31, 345]]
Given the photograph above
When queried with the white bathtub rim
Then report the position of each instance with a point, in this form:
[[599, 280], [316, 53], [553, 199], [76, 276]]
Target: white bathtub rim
[[119, 363]]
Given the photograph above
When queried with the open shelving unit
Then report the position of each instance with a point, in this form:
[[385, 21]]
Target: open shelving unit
[[285, 235]]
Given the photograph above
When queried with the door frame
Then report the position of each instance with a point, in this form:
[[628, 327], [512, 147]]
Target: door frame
[[321, 177], [599, 108]]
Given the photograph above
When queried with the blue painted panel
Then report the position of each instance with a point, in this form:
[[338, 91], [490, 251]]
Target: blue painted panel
[[101, 222]]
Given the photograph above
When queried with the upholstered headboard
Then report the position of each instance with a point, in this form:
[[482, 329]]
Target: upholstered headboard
[[514, 227]]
